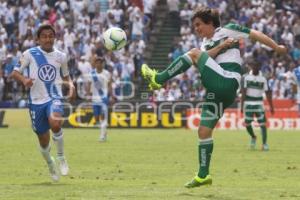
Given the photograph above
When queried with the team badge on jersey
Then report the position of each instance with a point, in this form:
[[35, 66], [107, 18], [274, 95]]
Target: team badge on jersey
[[47, 73]]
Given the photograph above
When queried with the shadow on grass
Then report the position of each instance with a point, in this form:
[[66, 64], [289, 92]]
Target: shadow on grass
[[48, 183]]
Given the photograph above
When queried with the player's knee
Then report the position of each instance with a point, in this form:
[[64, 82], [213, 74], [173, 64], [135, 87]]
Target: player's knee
[[56, 126], [204, 132], [194, 54]]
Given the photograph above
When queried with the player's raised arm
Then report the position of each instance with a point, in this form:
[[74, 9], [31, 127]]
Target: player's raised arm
[[264, 39]]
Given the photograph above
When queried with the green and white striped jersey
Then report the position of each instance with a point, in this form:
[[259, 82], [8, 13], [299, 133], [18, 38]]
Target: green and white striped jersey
[[255, 86], [229, 59]]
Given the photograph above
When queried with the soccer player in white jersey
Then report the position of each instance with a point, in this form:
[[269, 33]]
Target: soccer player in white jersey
[[47, 70], [219, 63], [254, 85], [99, 88], [296, 83]]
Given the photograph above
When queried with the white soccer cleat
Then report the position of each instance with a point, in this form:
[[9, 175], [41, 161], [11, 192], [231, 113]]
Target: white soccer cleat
[[53, 170], [103, 138], [63, 166]]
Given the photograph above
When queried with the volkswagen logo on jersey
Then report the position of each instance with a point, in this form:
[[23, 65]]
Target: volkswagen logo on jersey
[[47, 73]]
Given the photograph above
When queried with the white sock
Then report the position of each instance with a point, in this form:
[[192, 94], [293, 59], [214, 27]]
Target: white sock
[[103, 128], [46, 153], [59, 142]]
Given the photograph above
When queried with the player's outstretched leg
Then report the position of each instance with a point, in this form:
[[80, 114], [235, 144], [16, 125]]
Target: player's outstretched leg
[[59, 141], [156, 80]]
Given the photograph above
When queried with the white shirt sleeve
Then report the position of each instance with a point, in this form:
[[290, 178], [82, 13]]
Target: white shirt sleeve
[[236, 31]]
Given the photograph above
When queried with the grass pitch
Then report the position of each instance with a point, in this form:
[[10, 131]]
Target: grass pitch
[[150, 164]]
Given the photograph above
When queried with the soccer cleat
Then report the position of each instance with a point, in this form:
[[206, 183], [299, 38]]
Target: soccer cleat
[[63, 166], [197, 182], [103, 137], [149, 75], [253, 143], [53, 170], [265, 147]]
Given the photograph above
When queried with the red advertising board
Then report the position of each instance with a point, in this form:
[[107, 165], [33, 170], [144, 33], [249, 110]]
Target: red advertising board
[[286, 117]]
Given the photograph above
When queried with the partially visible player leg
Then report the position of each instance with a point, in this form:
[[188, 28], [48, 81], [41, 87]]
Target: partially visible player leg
[[41, 127], [205, 149], [96, 113], [248, 114], [104, 116], [45, 147], [180, 65], [261, 118], [103, 130], [55, 112]]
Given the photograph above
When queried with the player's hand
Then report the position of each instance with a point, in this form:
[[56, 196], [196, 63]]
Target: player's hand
[[28, 82], [227, 43], [281, 49]]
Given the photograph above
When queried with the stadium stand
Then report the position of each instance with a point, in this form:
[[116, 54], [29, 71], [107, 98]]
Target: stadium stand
[[154, 34]]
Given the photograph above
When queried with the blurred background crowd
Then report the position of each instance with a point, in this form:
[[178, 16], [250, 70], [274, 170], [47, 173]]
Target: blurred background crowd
[[80, 23], [276, 18]]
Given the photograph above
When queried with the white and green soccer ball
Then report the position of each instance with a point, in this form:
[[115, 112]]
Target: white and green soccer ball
[[114, 39]]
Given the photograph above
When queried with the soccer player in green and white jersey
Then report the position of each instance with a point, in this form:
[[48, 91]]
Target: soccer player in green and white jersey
[[254, 85], [219, 63]]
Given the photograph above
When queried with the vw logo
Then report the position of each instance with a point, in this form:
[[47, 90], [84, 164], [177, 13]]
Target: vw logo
[[47, 73]]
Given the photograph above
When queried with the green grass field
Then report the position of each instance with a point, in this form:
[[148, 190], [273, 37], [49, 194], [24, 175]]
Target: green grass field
[[150, 164]]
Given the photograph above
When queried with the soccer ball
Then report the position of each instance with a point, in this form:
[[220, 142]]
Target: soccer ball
[[114, 39]]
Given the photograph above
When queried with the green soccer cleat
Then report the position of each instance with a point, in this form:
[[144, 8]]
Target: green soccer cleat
[[197, 182], [149, 75]]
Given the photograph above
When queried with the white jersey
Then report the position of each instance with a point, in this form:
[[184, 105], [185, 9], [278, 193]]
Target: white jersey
[[255, 86], [47, 70], [230, 58], [99, 84], [231, 54], [296, 77]]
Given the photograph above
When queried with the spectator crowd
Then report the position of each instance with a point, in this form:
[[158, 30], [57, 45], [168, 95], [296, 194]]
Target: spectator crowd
[[79, 25], [278, 19]]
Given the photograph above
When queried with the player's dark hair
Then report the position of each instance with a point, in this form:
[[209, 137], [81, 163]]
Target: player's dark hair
[[208, 15], [253, 62], [45, 27]]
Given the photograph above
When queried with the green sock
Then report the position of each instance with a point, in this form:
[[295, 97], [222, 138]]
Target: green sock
[[250, 131], [178, 66], [264, 133], [205, 150]]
